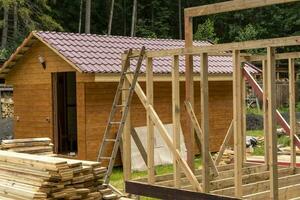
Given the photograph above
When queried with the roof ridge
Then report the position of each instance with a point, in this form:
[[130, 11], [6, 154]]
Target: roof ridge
[[120, 36]]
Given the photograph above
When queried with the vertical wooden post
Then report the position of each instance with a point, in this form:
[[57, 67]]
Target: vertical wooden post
[[265, 111], [271, 68], [204, 121], [150, 126], [126, 134], [189, 91], [244, 120], [176, 116], [292, 102], [237, 122]]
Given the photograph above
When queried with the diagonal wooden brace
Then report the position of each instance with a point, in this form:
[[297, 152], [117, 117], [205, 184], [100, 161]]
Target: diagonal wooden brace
[[164, 134], [198, 130]]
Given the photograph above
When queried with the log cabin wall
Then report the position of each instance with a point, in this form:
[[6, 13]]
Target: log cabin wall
[[33, 115], [99, 97]]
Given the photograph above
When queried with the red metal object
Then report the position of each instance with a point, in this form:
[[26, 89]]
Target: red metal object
[[259, 93]]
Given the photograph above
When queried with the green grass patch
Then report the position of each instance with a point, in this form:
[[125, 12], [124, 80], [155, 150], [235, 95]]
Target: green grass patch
[[255, 133], [283, 140], [254, 111], [116, 178]]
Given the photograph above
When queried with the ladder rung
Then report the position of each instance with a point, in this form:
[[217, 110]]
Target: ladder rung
[[125, 89], [129, 72], [105, 158], [115, 122], [110, 140], [134, 56]]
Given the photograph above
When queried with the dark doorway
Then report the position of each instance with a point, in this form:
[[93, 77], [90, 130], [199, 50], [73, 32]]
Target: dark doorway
[[64, 112]]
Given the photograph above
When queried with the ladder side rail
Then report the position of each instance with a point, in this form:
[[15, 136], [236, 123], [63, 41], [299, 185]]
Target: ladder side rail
[[124, 116], [116, 99]]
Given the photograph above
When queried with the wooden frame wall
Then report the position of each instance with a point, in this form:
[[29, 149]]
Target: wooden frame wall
[[237, 83], [237, 126]]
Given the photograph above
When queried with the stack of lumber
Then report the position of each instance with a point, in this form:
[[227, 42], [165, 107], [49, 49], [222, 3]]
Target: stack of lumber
[[39, 146], [227, 158], [287, 150], [27, 176], [7, 106]]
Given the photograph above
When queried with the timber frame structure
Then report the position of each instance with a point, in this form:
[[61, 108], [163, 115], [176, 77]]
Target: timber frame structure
[[242, 179]]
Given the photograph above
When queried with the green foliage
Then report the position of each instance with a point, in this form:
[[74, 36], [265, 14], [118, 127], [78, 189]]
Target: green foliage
[[206, 31], [247, 33], [32, 15], [4, 53], [142, 30], [284, 140], [155, 19]]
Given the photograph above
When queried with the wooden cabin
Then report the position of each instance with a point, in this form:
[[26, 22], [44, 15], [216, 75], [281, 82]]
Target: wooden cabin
[[64, 85]]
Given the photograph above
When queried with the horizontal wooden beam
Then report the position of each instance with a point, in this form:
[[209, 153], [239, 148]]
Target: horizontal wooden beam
[[252, 44], [223, 175], [115, 77], [287, 192], [260, 186], [228, 6], [248, 178], [169, 176], [162, 192], [278, 56]]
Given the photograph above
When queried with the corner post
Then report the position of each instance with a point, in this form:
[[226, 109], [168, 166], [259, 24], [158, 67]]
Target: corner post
[[150, 126], [271, 68]]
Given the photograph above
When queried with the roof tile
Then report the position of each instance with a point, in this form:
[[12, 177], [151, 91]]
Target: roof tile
[[102, 54]]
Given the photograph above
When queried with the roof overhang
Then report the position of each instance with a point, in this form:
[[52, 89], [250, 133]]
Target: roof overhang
[[23, 48], [100, 77]]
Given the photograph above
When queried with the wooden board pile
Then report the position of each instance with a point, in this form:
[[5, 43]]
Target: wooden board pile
[[39, 146], [227, 158], [7, 106], [26, 176]]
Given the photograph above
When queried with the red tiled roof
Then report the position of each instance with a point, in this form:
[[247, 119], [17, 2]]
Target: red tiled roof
[[102, 54]]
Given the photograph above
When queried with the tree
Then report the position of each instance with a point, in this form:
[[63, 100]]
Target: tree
[[134, 18], [206, 31], [80, 16], [20, 17], [111, 15], [4, 26], [88, 16]]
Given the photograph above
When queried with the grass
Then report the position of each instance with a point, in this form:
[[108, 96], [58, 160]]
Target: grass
[[116, 178], [283, 140]]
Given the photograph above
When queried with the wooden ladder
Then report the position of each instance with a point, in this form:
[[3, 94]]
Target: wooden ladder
[[109, 137]]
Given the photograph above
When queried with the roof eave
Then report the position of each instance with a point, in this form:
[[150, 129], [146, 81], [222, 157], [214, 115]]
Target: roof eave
[[115, 77]]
